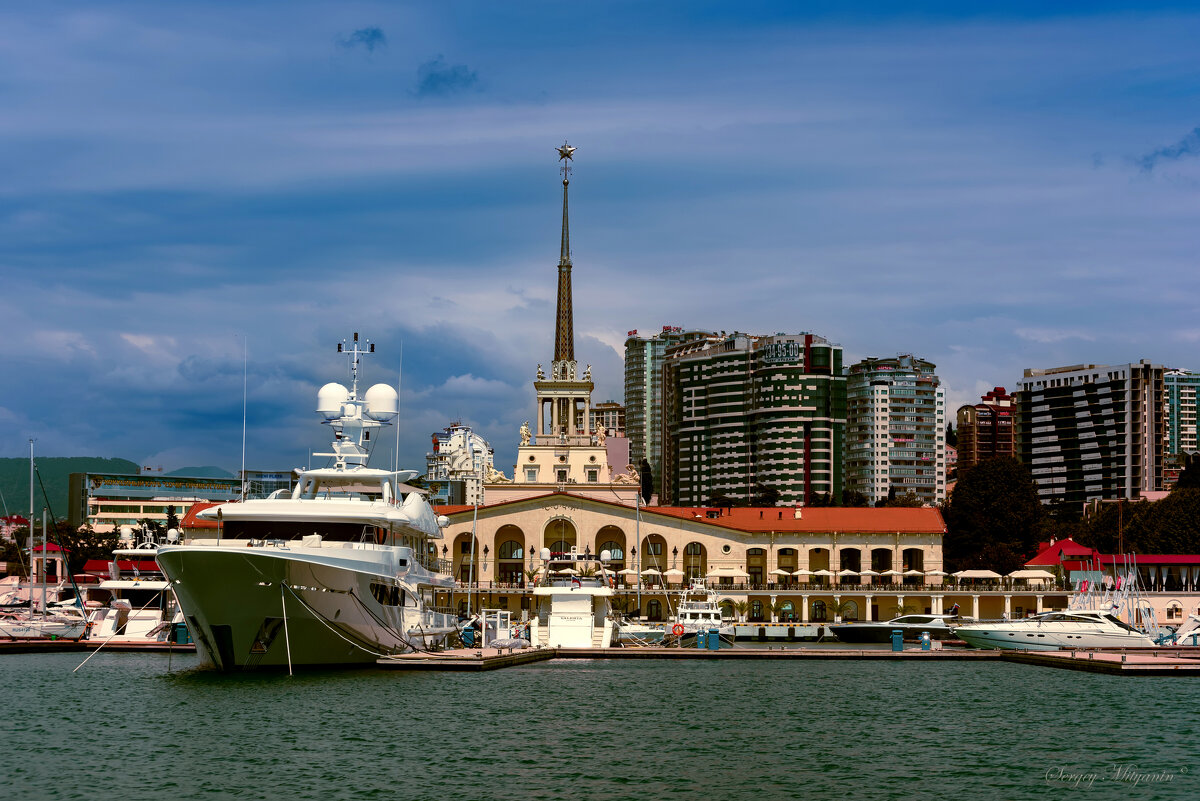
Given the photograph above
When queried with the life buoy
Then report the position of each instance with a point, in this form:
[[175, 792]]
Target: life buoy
[[677, 629], [515, 633]]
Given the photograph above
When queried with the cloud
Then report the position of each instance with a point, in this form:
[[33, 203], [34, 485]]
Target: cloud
[[370, 38], [437, 78], [1051, 335], [1187, 146]]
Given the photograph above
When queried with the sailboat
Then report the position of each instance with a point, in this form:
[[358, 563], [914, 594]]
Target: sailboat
[[43, 624]]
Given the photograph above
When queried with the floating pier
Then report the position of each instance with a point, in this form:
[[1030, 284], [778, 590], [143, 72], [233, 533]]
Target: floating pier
[[57, 646], [1126, 662]]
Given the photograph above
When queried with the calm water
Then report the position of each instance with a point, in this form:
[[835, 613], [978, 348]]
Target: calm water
[[125, 728]]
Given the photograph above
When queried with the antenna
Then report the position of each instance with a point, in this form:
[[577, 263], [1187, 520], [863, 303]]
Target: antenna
[[245, 384], [399, 379]]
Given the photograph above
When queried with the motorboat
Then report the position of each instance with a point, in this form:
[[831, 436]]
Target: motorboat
[[579, 589], [340, 570], [703, 614], [64, 624], [1048, 631], [1092, 619], [135, 605], [939, 627]]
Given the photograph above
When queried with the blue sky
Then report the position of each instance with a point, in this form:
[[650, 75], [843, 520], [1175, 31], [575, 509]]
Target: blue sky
[[991, 190]]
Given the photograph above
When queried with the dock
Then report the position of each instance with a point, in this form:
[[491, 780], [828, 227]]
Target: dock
[[81, 646], [1127, 662]]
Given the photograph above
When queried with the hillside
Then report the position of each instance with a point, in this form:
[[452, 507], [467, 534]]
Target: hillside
[[14, 480]]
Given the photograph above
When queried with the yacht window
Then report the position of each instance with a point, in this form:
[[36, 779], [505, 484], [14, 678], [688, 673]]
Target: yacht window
[[1119, 622]]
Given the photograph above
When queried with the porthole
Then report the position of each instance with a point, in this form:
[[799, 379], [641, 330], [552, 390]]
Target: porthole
[[726, 549]]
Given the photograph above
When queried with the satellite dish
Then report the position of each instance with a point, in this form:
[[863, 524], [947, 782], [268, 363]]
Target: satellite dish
[[330, 399], [382, 402]]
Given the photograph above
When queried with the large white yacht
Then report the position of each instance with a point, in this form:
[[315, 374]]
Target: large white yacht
[[340, 571], [1073, 628]]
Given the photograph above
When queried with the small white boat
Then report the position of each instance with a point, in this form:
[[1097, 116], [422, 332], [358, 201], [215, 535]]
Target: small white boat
[[62, 624], [580, 590], [696, 615]]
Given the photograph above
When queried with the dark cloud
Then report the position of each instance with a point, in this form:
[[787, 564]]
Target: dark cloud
[[1187, 146], [437, 78], [370, 39]]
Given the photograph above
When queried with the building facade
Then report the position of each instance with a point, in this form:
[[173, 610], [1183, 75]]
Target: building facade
[[109, 502], [458, 463], [1180, 407], [608, 416], [985, 429], [643, 390], [744, 414], [895, 429], [1092, 432]]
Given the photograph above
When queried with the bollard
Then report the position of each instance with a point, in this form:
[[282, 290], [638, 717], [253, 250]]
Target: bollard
[[925, 641], [897, 640], [714, 639], [701, 640]]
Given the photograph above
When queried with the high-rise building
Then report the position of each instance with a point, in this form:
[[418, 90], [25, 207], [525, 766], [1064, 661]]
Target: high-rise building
[[1091, 432], [743, 414], [985, 429], [1180, 397], [609, 417], [457, 465], [895, 429], [643, 390]]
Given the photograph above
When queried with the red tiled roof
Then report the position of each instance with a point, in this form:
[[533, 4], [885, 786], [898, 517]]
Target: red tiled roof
[[1053, 554], [887, 520]]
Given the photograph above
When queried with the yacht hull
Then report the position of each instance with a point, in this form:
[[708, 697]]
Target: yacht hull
[[264, 608], [1034, 639]]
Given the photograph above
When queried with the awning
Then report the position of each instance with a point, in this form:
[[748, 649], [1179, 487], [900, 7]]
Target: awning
[[727, 572], [977, 574], [1031, 574]]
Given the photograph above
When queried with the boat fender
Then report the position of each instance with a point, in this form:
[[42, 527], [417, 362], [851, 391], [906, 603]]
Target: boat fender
[[677, 629]]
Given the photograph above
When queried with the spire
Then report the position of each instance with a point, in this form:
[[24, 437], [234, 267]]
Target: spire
[[564, 326]]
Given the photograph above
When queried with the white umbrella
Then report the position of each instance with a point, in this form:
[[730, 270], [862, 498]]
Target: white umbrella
[[913, 573], [867, 573], [1031, 574], [650, 571], [823, 573], [980, 574], [847, 572], [675, 573], [566, 571], [779, 571], [803, 573], [629, 571], [727, 572], [936, 573]]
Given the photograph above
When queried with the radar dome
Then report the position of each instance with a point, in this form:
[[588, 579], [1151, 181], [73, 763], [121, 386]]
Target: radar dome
[[382, 402], [330, 399]]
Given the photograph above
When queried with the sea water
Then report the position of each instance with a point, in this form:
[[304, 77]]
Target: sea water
[[125, 727]]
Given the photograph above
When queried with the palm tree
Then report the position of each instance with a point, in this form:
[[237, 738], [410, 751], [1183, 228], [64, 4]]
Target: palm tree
[[741, 607]]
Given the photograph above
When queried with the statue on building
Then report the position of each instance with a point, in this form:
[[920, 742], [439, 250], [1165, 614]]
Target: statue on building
[[601, 435], [587, 373], [541, 374], [630, 476], [494, 476], [526, 434]]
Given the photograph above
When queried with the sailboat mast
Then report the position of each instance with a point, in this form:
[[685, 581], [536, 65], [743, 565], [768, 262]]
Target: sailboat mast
[[30, 524]]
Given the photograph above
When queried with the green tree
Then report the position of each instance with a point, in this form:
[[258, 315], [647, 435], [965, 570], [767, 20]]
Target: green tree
[[172, 520], [1189, 477], [855, 498], [993, 518], [765, 496], [908, 499], [1171, 525], [822, 499], [951, 435]]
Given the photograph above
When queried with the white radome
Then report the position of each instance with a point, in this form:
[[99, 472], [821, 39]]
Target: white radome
[[330, 399], [382, 402]]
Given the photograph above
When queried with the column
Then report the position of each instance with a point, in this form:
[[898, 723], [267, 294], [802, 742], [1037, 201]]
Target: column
[[975, 606], [541, 418], [837, 603], [774, 618], [868, 616], [1038, 608], [803, 608], [1007, 605], [587, 415], [554, 416]]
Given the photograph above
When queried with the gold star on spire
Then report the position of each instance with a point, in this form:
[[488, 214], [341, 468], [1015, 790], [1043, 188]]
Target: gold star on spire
[[565, 152]]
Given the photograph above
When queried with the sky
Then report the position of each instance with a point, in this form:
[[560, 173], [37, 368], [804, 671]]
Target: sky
[[197, 196]]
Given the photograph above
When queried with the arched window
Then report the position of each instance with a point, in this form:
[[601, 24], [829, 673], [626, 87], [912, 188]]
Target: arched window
[[512, 550], [819, 612], [786, 611], [756, 565], [615, 550], [695, 561], [756, 611]]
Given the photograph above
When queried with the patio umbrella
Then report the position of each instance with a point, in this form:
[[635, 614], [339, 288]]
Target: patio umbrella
[[1031, 574], [914, 573], [983, 574], [891, 573], [779, 571], [675, 573], [867, 573], [936, 573], [727, 572], [848, 572], [823, 573], [566, 571], [802, 573], [650, 571]]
